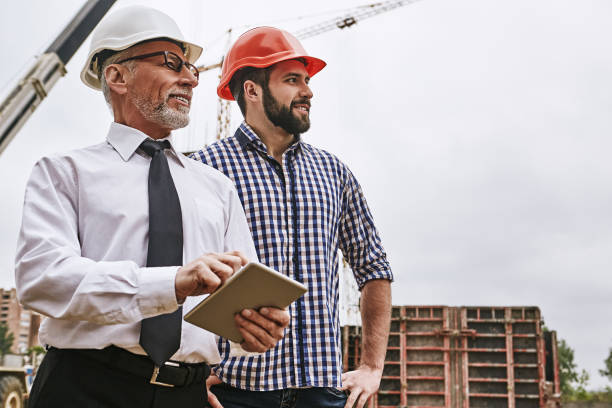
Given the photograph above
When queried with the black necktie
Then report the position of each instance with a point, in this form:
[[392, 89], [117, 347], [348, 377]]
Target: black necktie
[[160, 336]]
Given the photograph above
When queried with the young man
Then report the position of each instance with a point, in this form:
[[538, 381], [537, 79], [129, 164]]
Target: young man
[[106, 230], [302, 205]]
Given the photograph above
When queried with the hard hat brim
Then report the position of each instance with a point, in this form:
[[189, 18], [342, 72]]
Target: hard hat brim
[[313, 65]]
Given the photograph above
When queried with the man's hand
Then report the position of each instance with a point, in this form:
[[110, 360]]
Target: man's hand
[[212, 399], [262, 330], [362, 384], [206, 273], [375, 318]]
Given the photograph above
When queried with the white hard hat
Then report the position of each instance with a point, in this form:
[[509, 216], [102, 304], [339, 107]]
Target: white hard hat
[[129, 26]]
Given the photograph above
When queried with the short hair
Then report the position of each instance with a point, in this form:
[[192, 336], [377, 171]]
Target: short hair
[[260, 76], [103, 62], [107, 57]]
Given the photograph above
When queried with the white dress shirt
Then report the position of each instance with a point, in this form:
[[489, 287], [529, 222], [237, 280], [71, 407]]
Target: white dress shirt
[[82, 248]]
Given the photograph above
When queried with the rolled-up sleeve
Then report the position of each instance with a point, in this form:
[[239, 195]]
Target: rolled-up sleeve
[[54, 279], [359, 239]]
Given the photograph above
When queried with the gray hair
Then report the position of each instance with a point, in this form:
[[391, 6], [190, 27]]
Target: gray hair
[[118, 56]]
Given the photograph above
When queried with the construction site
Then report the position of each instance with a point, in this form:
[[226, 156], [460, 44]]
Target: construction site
[[467, 326]]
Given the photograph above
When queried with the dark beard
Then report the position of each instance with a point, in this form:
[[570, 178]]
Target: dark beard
[[282, 117]]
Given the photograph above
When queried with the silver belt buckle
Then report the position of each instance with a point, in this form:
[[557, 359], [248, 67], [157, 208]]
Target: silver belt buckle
[[156, 373]]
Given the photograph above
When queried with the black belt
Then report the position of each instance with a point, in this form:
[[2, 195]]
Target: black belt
[[171, 374]]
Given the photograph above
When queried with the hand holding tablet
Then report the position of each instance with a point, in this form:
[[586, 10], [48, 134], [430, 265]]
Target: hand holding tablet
[[252, 287]]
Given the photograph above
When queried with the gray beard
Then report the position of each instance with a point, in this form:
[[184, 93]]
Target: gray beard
[[162, 114]]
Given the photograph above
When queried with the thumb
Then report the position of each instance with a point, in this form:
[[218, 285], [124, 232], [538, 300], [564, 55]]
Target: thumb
[[212, 380], [213, 401]]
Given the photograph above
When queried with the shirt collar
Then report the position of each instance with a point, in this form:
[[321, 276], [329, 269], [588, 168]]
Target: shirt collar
[[247, 137], [126, 140]]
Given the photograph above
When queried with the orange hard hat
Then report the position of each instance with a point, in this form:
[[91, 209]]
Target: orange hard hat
[[259, 48]]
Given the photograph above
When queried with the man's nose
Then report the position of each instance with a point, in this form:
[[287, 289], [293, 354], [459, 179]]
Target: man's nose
[[188, 78], [306, 91]]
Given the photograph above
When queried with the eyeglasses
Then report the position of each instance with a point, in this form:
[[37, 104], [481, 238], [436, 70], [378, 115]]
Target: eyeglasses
[[171, 60]]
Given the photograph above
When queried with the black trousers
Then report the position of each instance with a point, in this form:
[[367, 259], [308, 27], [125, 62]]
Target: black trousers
[[68, 379]]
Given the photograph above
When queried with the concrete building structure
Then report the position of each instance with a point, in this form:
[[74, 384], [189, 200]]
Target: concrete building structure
[[23, 323]]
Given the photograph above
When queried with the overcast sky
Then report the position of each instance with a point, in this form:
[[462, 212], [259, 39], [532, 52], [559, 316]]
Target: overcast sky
[[480, 131]]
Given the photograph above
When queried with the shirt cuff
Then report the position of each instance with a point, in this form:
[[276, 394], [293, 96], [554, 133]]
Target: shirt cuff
[[157, 290]]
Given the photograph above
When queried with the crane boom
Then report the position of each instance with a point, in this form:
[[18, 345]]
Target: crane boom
[[21, 102], [351, 17]]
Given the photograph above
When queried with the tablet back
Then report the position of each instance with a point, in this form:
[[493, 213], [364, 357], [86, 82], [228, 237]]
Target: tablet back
[[252, 287]]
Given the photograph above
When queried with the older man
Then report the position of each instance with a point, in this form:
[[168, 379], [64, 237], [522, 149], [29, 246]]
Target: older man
[[302, 204], [106, 230]]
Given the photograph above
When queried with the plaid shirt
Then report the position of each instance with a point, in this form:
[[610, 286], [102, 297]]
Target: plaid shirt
[[300, 213]]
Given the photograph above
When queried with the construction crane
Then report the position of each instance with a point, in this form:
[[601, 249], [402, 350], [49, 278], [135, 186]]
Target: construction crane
[[349, 18], [21, 102]]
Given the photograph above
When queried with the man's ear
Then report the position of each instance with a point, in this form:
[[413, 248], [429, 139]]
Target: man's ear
[[252, 91], [116, 78]]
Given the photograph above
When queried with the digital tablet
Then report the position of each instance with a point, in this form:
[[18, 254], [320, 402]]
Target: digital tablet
[[252, 287]]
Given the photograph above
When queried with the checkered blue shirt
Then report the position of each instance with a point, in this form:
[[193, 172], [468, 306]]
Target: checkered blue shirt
[[300, 213]]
